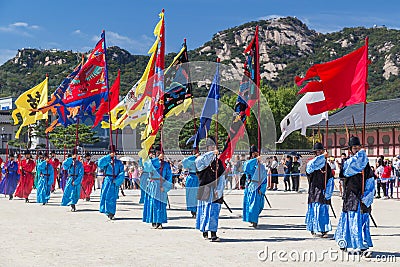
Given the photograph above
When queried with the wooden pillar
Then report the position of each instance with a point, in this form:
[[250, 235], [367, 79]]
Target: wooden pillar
[[377, 142], [394, 142]]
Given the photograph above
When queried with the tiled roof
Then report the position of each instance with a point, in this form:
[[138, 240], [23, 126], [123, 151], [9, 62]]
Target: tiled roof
[[382, 112]]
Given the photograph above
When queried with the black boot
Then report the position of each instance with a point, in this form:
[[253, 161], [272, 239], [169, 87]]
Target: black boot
[[111, 216], [11, 197], [159, 226], [153, 225], [26, 200], [214, 237], [193, 214], [253, 224], [88, 199], [205, 235], [73, 209]]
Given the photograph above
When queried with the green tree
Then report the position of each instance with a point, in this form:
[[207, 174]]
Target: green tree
[[66, 136]]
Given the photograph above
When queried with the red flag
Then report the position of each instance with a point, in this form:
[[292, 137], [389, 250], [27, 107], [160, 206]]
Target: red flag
[[113, 97], [157, 102], [343, 81], [248, 95]]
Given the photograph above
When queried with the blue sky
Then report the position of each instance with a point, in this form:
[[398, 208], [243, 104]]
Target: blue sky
[[76, 25]]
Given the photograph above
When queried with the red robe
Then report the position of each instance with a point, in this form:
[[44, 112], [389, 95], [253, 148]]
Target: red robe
[[55, 163], [88, 178], [25, 184]]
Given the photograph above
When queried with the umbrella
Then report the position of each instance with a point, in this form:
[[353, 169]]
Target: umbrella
[[126, 158]]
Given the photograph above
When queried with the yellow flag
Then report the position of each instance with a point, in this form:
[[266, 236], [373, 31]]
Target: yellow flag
[[32, 99]]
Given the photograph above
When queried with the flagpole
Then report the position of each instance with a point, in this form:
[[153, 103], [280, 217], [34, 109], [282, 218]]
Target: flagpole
[[193, 110], [47, 123], [326, 149], [216, 131], [108, 91], [365, 110], [257, 73]]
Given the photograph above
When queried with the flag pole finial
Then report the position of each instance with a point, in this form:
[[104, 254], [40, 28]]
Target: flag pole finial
[[163, 10], [184, 40]]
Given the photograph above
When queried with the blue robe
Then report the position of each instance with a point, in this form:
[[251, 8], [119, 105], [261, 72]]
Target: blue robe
[[72, 192], [143, 182], [45, 180], [10, 178], [208, 211], [113, 178], [317, 217], [155, 202], [253, 201], [353, 226], [192, 183]]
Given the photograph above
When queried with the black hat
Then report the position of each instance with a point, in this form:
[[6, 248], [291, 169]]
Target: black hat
[[27, 152], [318, 146], [46, 155], [253, 149], [210, 141], [53, 152], [74, 151], [111, 148], [354, 141], [69, 155], [158, 148], [87, 154], [11, 155], [40, 153]]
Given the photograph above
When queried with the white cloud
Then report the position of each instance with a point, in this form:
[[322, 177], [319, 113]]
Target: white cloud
[[20, 24], [19, 28], [77, 32], [6, 54]]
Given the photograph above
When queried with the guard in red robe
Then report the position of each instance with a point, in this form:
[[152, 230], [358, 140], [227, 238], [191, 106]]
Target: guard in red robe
[[88, 177], [25, 184], [55, 163]]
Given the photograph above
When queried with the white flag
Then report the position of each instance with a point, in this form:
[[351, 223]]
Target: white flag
[[299, 118]]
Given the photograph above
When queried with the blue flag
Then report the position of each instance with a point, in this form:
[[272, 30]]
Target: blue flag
[[209, 109]]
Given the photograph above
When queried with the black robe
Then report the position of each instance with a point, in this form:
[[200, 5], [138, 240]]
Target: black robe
[[208, 181], [352, 191], [317, 185]]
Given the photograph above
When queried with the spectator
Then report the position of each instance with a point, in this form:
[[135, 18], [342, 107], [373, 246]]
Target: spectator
[[287, 170], [295, 171], [274, 174]]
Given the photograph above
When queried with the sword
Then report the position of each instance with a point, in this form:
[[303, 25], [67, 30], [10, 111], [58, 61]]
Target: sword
[[333, 211], [266, 199], [169, 205], [373, 221], [226, 205]]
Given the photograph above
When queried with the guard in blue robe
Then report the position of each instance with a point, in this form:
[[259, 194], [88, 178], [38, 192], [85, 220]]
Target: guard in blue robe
[[256, 184], [320, 191], [159, 183], [114, 176], [353, 227], [210, 192], [75, 172], [192, 184], [10, 177], [46, 177]]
